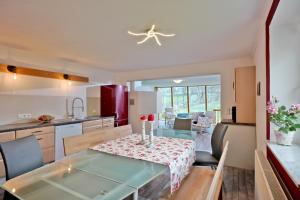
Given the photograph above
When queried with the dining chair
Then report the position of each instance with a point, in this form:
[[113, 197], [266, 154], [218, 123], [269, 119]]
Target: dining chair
[[169, 116], [183, 124], [205, 158], [21, 156], [77, 143], [203, 183]]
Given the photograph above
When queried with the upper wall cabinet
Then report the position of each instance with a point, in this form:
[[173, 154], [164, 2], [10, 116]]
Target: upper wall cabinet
[[245, 92]]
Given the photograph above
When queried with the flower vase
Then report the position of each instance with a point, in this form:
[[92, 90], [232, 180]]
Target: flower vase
[[285, 139]]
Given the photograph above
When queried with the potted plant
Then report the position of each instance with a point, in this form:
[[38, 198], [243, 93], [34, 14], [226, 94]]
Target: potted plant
[[285, 119]]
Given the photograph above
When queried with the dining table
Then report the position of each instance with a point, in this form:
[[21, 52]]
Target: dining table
[[93, 175]]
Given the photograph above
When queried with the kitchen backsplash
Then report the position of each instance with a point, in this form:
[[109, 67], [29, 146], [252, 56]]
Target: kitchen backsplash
[[36, 96]]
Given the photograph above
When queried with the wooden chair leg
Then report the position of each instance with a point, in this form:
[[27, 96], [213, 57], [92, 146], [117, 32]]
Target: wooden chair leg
[[220, 194]]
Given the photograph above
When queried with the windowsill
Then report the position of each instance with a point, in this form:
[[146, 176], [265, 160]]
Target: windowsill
[[289, 158]]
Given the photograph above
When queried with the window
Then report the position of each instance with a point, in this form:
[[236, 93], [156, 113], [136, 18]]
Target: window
[[180, 99], [213, 97], [197, 99], [189, 99], [166, 97]]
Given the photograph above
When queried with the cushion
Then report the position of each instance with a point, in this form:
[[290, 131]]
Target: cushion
[[205, 158], [204, 121], [195, 115], [183, 115]]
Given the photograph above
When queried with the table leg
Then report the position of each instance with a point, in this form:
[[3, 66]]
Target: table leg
[[136, 195]]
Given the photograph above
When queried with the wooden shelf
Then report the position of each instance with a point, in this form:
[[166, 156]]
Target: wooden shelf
[[42, 73]]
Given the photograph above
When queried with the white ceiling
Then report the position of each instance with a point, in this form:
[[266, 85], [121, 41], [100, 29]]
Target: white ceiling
[[94, 32]]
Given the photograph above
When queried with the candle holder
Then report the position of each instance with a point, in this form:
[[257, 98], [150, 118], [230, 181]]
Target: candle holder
[[151, 137], [143, 135]]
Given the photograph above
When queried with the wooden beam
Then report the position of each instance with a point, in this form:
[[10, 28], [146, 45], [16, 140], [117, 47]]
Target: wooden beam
[[42, 73]]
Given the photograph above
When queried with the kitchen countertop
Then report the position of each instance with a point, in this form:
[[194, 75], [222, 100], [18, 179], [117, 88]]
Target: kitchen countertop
[[57, 122], [230, 122], [288, 156]]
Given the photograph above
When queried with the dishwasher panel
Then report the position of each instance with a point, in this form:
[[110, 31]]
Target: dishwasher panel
[[60, 133]]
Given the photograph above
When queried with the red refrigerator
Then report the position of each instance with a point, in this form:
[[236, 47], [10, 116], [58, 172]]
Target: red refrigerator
[[114, 102]]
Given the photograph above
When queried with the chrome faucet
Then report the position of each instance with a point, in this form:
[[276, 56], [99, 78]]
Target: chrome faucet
[[73, 105]]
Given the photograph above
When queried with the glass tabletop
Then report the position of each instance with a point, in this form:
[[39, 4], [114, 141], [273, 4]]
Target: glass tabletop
[[85, 175], [61, 181], [174, 133], [91, 175], [134, 173]]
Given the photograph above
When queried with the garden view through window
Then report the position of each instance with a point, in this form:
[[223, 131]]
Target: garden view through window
[[189, 99]]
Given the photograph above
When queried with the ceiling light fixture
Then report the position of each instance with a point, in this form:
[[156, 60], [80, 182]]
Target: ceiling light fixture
[[13, 69], [177, 81], [67, 77], [151, 33]]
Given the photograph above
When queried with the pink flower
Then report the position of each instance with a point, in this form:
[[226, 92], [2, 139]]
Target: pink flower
[[271, 108], [295, 108]]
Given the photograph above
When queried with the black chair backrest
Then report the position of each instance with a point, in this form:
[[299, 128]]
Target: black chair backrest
[[21, 156], [217, 140], [183, 124]]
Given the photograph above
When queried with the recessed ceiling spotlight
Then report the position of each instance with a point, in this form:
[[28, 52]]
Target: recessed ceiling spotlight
[[177, 81], [151, 33]]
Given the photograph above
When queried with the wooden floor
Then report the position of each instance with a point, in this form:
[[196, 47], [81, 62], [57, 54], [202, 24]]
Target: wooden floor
[[238, 184]]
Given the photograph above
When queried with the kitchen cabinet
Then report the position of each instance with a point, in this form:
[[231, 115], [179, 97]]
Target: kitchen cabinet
[[108, 122], [5, 137], [62, 132], [94, 125], [245, 94], [91, 126], [114, 102], [45, 137]]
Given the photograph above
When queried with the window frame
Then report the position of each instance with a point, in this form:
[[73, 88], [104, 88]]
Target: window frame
[[187, 95]]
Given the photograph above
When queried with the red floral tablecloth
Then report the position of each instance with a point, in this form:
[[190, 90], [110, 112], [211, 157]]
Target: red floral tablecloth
[[178, 154]]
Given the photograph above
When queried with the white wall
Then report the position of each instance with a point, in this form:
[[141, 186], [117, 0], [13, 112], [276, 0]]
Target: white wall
[[260, 63], [242, 145], [145, 102], [285, 65], [224, 67], [93, 95]]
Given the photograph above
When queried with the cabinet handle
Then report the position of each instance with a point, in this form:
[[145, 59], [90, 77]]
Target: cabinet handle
[[39, 139], [36, 132]]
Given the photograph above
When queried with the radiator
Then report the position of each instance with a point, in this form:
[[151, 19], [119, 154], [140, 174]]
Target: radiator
[[267, 185]]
